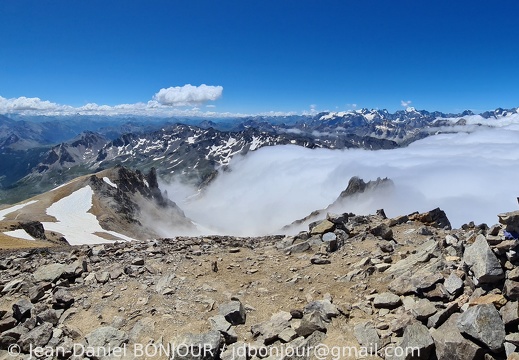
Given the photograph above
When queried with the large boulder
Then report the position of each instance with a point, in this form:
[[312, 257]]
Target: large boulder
[[511, 220], [49, 273], [39, 336], [386, 300], [484, 324], [416, 337], [483, 262], [451, 345], [233, 312]]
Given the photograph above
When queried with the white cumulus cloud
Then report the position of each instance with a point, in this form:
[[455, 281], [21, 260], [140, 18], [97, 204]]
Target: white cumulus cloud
[[405, 103], [188, 95]]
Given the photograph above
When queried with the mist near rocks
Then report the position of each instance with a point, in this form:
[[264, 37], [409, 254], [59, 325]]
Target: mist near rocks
[[471, 175]]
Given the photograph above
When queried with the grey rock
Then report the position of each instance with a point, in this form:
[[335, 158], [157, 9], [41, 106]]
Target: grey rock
[[39, 336], [510, 349], [319, 260], [37, 292], [451, 345], [423, 309], [236, 351], [49, 273], [322, 227], [384, 231], [330, 239], [12, 286], [511, 220], [204, 346], [424, 253], [106, 337], [271, 329], [102, 277], [511, 289], [453, 284], [325, 308], [367, 336], [416, 337], [510, 313], [62, 299], [50, 315], [298, 247], [513, 338], [483, 323], [513, 274], [22, 309], [164, 283], [287, 335], [310, 322], [219, 323], [438, 293], [441, 316], [145, 326], [483, 262], [386, 300], [8, 322], [138, 261], [233, 312]]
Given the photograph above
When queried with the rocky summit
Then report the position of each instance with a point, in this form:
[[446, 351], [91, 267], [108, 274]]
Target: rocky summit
[[349, 287]]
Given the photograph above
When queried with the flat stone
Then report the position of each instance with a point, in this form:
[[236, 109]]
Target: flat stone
[[387, 300], [497, 299], [323, 227], [49, 273], [423, 309], [204, 346]]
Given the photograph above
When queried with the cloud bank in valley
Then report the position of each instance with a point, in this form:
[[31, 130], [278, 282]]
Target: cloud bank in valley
[[469, 175]]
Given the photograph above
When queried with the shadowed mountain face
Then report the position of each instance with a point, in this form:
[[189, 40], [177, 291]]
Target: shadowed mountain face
[[115, 204]]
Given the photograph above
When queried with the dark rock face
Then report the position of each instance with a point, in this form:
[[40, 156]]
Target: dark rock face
[[35, 229], [357, 186], [436, 218]]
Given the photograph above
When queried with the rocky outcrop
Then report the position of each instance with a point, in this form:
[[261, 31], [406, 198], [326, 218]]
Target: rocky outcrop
[[444, 294]]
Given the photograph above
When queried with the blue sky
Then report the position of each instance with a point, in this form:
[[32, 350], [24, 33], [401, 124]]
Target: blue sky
[[269, 55]]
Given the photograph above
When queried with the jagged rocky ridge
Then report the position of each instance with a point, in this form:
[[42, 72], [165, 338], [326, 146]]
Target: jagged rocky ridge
[[123, 201], [368, 282], [356, 186]]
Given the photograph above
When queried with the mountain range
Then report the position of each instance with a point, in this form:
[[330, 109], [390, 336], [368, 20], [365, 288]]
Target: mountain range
[[38, 153]]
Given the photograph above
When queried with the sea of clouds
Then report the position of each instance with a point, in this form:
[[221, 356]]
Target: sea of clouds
[[472, 175]]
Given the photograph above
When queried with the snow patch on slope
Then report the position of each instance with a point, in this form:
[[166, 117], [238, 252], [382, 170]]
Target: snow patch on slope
[[20, 234], [109, 182], [12, 209], [75, 222]]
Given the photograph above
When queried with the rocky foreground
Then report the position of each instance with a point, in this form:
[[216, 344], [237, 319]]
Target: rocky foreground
[[350, 287]]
